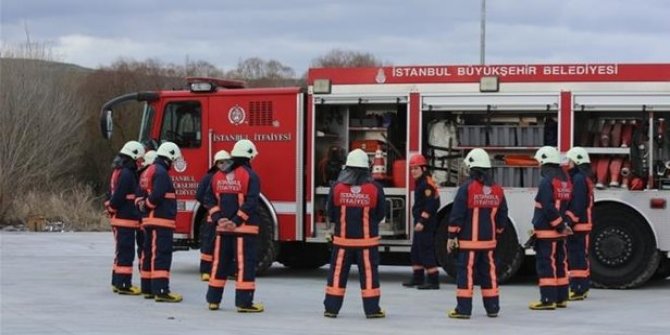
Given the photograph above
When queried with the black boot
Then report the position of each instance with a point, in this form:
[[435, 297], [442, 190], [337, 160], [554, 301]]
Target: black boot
[[417, 279], [432, 284]]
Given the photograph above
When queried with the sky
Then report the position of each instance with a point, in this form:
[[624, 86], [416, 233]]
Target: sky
[[94, 33]]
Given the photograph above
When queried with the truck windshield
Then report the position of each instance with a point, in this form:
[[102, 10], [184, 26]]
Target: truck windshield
[[147, 121]]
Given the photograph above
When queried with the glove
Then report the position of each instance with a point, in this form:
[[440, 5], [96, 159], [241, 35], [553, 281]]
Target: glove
[[452, 245]]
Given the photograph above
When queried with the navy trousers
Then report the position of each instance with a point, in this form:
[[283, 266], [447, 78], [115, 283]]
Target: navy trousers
[[341, 260]]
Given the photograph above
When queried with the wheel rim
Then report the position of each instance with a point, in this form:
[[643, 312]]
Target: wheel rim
[[613, 247]]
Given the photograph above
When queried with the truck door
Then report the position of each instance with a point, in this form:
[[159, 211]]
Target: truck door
[[183, 123], [272, 119]]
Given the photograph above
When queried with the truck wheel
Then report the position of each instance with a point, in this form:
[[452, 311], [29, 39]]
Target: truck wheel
[[447, 261], [267, 248], [663, 270], [299, 255], [509, 254], [623, 250]]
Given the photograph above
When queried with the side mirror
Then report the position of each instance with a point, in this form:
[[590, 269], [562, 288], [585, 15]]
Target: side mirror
[[106, 124]]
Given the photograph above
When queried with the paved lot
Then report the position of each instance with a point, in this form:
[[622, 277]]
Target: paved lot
[[58, 283]]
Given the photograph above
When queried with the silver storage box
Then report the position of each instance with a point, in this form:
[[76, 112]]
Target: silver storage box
[[531, 136], [502, 136], [471, 136]]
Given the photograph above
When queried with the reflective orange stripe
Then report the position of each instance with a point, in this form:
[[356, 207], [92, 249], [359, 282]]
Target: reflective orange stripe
[[572, 216], [116, 222], [247, 229], [580, 273], [170, 196], [477, 245], [213, 282], [548, 282], [470, 271], [417, 267], [370, 293], [343, 221], [490, 292], [425, 215], [336, 291], [130, 197], [562, 281], [548, 234], [582, 227], [475, 225], [145, 274], [213, 210], [464, 293], [215, 261], [160, 274], [206, 257], [124, 270], [152, 221], [366, 222], [492, 270], [243, 215], [338, 270], [538, 205], [556, 222], [356, 242], [368, 271], [432, 270], [454, 229], [245, 285], [240, 258]]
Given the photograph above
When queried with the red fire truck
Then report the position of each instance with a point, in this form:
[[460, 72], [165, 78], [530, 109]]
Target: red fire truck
[[616, 111]]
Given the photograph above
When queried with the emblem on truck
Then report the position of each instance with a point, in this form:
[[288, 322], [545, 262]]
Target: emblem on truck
[[180, 165], [236, 115]]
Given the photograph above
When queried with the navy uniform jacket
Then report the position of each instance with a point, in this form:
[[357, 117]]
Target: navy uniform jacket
[[426, 202], [551, 203], [356, 211], [581, 204], [235, 194], [478, 215], [157, 190], [121, 196]]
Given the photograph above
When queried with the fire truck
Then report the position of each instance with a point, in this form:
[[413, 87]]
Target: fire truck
[[618, 112]]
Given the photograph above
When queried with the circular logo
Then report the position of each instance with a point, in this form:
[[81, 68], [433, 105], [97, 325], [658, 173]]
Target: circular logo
[[486, 190], [180, 165], [380, 78], [355, 189], [230, 176], [236, 115]]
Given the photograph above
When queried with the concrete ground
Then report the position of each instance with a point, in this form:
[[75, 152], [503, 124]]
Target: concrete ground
[[58, 283]]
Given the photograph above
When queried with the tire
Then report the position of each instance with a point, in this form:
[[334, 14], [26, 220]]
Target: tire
[[299, 255], [623, 250], [509, 254], [267, 248], [663, 270]]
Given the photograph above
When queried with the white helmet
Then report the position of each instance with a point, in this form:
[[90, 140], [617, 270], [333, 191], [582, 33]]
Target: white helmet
[[548, 155], [221, 155], [578, 155], [133, 149], [244, 148], [149, 157], [169, 150], [477, 157], [358, 158]]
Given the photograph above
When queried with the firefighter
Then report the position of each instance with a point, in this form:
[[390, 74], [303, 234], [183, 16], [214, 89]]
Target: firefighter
[[145, 276], [478, 217], [550, 227], [207, 234], [124, 217], [356, 205], [424, 210], [581, 207], [233, 198], [157, 201]]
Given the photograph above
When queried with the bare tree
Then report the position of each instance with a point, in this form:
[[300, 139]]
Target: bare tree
[[258, 72], [40, 122], [343, 58]]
